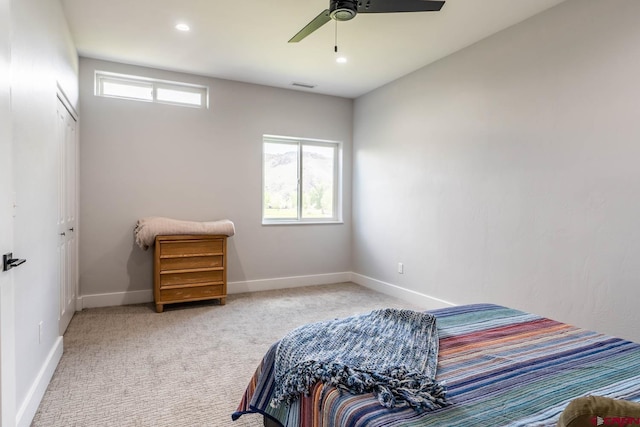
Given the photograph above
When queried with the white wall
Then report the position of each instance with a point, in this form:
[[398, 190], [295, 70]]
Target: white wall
[[139, 159], [42, 56], [508, 172]]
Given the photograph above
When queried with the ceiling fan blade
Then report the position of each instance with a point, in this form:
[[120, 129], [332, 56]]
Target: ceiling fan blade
[[317, 22], [390, 6]]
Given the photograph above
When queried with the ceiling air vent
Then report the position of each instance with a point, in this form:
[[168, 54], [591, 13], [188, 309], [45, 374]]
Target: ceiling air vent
[[304, 85]]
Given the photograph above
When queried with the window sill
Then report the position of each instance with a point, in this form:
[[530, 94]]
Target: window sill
[[295, 222]]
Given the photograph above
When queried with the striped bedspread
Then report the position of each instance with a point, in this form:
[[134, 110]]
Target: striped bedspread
[[501, 367]]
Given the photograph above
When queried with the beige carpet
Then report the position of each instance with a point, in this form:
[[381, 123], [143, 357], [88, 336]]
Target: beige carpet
[[188, 366]]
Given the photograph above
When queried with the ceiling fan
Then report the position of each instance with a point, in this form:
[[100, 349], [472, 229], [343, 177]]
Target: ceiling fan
[[344, 10]]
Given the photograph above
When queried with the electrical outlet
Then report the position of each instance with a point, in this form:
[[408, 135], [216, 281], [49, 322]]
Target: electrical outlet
[[400, 268], [40, 332]]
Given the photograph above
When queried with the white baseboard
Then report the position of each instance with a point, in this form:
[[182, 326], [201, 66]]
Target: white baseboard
[[427, 301], [286, 282], [139, 297], [113, 299], [30, 405]]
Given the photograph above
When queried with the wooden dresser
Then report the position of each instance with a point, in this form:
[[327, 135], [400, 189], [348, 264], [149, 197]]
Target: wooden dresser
[[189, 268]]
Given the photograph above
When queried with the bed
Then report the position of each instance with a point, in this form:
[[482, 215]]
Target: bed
[[501, 367]]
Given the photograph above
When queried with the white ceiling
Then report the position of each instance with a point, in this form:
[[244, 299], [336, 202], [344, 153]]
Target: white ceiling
[[246, 40]]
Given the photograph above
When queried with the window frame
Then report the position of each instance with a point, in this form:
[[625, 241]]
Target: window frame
[[102, 77], [336, 217]]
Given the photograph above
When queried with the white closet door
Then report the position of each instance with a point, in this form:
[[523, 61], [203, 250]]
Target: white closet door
[[67, 208]]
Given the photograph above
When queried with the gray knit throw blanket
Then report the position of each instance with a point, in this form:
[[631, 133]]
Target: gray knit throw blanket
[[392, 353]]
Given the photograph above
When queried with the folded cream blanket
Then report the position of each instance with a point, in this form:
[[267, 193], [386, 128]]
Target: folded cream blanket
[[147, 229]]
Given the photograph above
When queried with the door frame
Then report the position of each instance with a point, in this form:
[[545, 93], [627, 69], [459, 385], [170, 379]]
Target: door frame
[[7, 287], [7, 352]]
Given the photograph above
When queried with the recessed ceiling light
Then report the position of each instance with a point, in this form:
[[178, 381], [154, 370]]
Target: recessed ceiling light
[[182, 27], [341, 60]]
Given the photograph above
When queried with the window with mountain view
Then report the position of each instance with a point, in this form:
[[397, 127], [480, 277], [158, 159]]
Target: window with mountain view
[[300, 181]]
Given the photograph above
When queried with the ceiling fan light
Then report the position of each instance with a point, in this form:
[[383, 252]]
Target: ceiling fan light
[[343, 14], [343, 10]]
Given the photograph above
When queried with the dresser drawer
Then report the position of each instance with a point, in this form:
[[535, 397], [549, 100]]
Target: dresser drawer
[[186, 263], [191, 294], [191, 277], [185, 248]]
